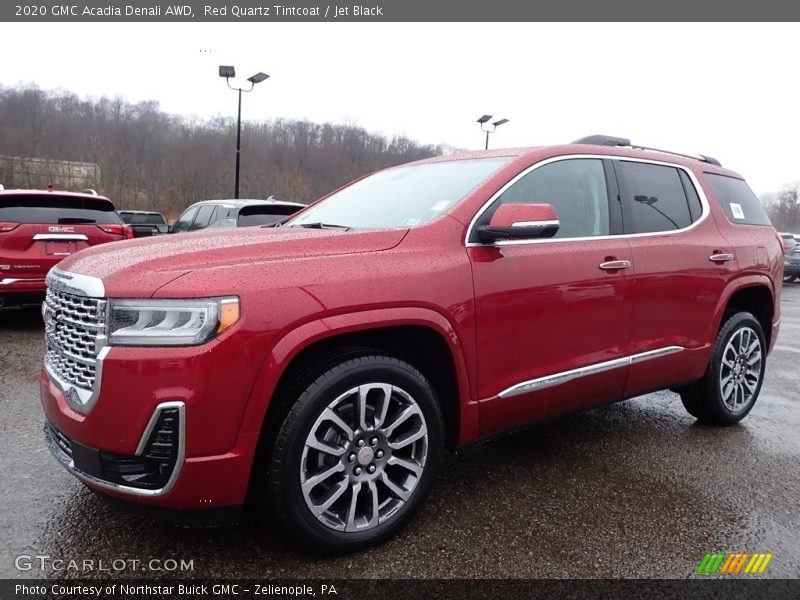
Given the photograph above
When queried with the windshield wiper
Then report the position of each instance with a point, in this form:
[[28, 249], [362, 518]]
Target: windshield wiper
[[278, 223], [321, 226]]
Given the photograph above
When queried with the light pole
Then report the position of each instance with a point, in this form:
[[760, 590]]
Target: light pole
[[227, 72], [485, 119]]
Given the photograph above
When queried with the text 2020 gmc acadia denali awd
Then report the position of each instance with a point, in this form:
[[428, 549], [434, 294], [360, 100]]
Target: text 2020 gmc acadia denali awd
[[327, 363]]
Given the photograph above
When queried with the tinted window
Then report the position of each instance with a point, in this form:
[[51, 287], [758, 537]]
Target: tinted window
[[54, 209], [203, 217], [265, 214], [655, 200], [248, 220], [577, 190], [737, 200], [142, 219], [183, 222]]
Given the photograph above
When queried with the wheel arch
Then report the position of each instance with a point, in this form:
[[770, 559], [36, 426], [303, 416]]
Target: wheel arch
[[753, 294], [420, 336]]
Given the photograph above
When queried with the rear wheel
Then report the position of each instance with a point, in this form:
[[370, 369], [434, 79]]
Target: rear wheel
[[356, 454], [731, 385]]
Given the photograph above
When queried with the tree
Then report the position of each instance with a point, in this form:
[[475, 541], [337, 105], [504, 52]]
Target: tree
[[150, 159], [784, 210]]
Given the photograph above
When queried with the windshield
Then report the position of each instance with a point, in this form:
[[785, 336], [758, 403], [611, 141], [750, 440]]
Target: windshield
[[401, 196]]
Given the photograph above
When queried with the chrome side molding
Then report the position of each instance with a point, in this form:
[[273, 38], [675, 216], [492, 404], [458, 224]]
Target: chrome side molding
[[548, 381]]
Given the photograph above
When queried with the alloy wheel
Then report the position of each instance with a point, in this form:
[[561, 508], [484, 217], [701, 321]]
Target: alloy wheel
[[363, 457], [740, 370]]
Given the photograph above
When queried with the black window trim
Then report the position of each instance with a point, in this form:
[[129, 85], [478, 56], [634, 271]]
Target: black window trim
[[606, 157]]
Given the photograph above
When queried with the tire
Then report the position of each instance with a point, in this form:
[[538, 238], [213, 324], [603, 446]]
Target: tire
[[790, 278], [325, 454], [730, 387]]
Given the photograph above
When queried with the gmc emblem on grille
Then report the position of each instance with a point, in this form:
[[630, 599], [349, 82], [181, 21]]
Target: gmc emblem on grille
[[61, 229]]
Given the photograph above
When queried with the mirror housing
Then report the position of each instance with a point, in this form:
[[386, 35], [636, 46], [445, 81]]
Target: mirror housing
[[163, 228], [520, 222]]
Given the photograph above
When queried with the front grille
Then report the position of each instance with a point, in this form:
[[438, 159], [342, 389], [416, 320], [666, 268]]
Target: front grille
[[73, 326]]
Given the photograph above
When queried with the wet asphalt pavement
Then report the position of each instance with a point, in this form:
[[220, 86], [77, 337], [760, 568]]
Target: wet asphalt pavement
[[635, 489]]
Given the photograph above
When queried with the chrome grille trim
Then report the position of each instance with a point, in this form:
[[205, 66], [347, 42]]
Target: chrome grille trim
[[75, 336]]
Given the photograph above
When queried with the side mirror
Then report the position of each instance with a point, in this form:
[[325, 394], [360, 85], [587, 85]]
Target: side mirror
[[163, 228], [519, 222]]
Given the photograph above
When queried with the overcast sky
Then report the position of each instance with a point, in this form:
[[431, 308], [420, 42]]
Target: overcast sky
[[727, 90]]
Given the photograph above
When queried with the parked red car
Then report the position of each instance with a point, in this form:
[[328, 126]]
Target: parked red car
[[39, 228], [326, 364]]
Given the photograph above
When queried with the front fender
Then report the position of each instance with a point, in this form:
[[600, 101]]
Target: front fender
[[291, 344]]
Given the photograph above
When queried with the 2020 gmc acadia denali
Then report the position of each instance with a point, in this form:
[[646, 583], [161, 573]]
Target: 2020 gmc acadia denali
[[325, 365]]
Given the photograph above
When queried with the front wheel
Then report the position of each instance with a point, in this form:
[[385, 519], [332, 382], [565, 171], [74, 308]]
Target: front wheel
[[356, 454], [732, 382]]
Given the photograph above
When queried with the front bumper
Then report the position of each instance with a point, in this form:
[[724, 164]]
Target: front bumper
[[152, 471], [210, 464]]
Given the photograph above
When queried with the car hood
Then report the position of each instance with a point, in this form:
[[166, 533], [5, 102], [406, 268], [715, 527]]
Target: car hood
[[142, 266]]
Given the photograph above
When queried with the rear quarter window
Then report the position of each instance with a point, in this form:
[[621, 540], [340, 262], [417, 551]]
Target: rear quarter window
[[738, 201]]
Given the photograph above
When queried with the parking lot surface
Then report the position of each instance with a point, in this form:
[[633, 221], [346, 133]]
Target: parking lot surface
[[634, 489]]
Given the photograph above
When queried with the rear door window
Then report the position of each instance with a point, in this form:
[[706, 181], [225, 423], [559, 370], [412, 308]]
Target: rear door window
[[738, 201], [654, 198]]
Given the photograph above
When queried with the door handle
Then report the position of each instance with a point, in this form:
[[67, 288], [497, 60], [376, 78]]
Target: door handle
[[721, 257], [615, 265]]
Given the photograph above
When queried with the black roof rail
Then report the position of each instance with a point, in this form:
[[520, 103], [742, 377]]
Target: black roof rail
[[710, 160], [603, 140], [610, 140]]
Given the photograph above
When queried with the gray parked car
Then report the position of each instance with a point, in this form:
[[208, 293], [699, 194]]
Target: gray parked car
[[234, 213], [791, 257]]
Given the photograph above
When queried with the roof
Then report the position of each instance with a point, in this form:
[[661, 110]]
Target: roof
[[249, 202], [535, 153]]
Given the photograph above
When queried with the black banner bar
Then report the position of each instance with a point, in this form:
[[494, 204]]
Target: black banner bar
[[376, 11], [734, 588]]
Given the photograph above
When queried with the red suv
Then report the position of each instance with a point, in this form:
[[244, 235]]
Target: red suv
[[39, 228], [326, 364]]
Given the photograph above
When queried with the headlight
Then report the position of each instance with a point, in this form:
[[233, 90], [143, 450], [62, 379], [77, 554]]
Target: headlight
[[169, 322]]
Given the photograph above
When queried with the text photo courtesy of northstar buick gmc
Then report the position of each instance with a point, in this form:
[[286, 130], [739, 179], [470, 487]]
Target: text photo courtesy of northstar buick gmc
[[325, 365]]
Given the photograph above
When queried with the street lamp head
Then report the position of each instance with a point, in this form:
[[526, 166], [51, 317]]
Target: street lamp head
[[227, 71], [500, 122], [257, 78], [484, 118]]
